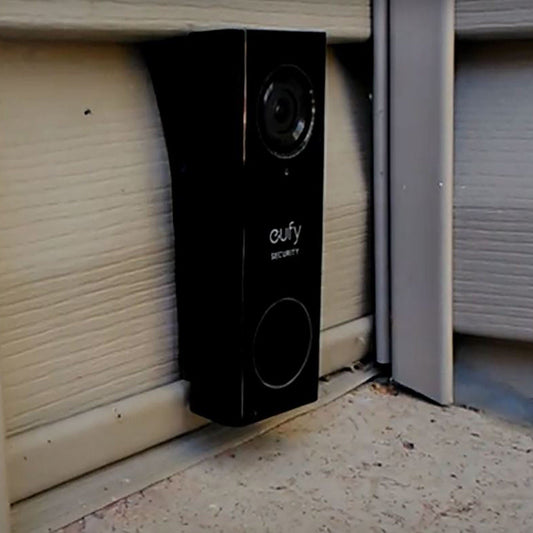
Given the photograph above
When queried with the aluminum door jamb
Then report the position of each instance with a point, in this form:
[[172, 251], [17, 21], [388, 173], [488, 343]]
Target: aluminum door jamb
[[421, 188]]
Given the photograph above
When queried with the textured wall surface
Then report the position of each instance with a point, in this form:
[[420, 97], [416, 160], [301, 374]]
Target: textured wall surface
[[126, 19], [86, 313], [494, 18], [347, 290], [493, 216], [87, 307]]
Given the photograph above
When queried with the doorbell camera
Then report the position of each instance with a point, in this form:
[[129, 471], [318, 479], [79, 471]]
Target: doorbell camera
[[286, 111], [243, 117]]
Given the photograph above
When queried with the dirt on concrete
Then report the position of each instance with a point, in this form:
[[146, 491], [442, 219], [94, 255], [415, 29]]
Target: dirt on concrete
[[372, 461]]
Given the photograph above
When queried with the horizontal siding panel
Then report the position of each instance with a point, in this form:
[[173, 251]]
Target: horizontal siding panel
[[346, 279], [49, 455], [493, 201], [494, 18], [127, 19], [86, 272], [86, 259]]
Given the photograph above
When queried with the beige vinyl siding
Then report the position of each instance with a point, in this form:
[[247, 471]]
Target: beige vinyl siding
[[127, 19], [493, 200], [86, 274], [347, 290], [87, 314], [57, 452]]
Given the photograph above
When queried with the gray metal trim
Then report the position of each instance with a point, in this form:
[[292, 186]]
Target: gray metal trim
[[380, 30], [421, 171]]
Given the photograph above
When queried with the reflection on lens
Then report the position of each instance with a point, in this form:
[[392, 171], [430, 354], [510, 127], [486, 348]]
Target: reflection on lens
[[298, 130], [286, 111], [282, 111]]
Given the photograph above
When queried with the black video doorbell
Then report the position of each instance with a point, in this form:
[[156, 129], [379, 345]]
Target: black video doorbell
[[243, 116]]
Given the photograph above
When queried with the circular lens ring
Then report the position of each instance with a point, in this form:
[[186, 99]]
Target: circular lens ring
[[290, 80]]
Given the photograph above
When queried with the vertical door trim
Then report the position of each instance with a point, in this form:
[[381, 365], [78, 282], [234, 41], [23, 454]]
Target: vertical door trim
[[421, 187], [380, 102]]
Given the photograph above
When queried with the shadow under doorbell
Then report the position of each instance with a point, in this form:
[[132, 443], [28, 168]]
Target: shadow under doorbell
[[243, 117]]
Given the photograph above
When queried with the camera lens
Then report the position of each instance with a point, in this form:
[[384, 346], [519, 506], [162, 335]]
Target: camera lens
[[283, 110], [286, 110]]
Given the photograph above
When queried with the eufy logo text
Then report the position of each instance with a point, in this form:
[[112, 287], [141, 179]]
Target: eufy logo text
[[290, 236]]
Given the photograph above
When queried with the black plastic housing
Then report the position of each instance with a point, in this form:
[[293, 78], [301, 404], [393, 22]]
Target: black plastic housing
[[237, 209]]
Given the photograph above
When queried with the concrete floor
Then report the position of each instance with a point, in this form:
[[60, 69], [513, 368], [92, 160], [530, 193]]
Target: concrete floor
[[370, 461]]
